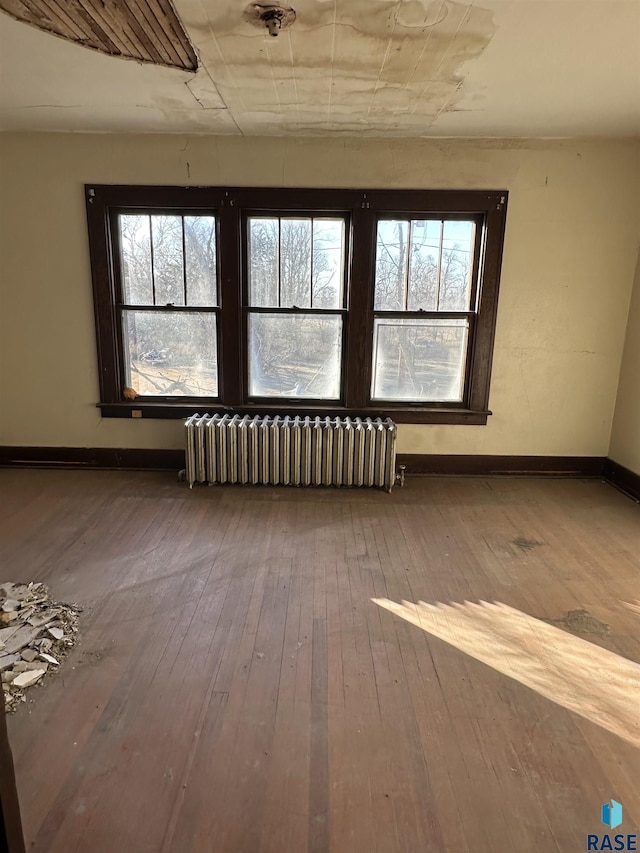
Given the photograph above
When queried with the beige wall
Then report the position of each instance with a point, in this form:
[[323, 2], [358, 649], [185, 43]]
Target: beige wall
[[625, 435], [570, 254]]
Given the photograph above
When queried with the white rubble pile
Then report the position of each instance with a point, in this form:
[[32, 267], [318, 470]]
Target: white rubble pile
[[35, 634]]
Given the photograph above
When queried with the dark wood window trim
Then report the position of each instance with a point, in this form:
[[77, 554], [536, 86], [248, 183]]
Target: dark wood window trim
[[361, 208]]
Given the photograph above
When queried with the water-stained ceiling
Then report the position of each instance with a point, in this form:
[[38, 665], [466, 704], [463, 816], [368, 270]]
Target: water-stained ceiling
[[503, 68]]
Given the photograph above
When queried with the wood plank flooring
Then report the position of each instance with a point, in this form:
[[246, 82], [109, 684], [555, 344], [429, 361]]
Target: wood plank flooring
[[237, 690]]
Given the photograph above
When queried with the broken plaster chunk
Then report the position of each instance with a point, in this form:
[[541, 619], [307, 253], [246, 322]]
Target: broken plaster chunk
[[8, 660], [56, 633], [7, 677], [26, 612], [25, 666], [19, 591], [5, 633], [14, 590], [10, 604], [26, 679], [49, 658], [29, 655], [6, 617], [24, 636], [43, 618]]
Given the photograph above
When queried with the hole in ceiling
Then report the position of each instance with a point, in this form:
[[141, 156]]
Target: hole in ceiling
[[272, 17]]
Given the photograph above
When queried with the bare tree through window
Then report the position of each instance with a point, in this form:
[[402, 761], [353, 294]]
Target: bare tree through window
[[323, 301], [423, 269], [168, 267], [296, 269]]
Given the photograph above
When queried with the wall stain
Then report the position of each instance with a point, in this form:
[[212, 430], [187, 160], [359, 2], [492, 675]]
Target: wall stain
[[379, 66]]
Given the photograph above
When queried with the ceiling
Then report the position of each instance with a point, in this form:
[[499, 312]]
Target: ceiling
[[146, 30], [382, 68]]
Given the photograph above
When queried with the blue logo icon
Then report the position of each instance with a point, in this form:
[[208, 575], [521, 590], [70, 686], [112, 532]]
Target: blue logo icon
[[612, 814]]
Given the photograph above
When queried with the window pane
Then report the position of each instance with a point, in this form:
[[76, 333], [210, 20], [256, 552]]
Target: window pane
[[419, 360], [295, 355], [456, 266], [200, 260], [423, 264], [140, 273], [328, 263], [391, 265], [167, 259], [135, 244], [263, 262], [295, 263], [172, 354]]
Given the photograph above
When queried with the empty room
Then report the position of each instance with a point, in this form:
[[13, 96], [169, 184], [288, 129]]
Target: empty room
[[319, 426]]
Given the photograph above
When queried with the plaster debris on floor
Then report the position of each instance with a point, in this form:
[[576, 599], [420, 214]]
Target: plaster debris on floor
[[36, 633]]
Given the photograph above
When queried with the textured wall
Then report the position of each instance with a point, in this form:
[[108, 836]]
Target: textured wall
[[570, 255], [625, 436]]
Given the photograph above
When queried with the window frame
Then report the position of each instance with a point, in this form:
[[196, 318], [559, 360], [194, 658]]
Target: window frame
[[232, 206]]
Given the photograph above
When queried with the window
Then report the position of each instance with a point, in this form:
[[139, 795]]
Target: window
[[282, 300], [424, 306], [170, 297], [296, 307]]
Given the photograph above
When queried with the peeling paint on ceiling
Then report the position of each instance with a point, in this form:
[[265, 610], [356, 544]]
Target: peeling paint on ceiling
[[364, 68], [375, 68]]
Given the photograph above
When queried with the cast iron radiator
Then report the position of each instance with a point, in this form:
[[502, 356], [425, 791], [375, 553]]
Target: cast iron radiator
[[298, 451]]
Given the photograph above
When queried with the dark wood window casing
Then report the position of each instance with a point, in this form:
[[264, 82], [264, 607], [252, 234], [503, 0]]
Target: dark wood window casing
[[361, 211]]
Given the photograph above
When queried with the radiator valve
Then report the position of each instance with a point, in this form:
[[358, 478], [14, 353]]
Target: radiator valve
[[400, 475]]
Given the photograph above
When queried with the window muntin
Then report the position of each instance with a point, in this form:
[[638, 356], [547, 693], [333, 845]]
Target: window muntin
[[168, 268], [296, 272], [424, 279]]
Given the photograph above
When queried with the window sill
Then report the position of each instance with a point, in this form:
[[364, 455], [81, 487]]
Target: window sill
[[179, 411]]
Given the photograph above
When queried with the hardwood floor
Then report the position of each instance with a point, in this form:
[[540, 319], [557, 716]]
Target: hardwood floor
[[238, 690]]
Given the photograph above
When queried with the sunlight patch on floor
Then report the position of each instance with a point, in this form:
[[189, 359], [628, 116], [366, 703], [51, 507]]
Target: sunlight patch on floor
[[582, 677]]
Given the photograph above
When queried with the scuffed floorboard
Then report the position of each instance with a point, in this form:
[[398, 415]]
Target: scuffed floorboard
[[238, 689]]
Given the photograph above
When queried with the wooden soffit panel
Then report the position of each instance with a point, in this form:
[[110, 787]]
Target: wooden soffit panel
[[146, 30]]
